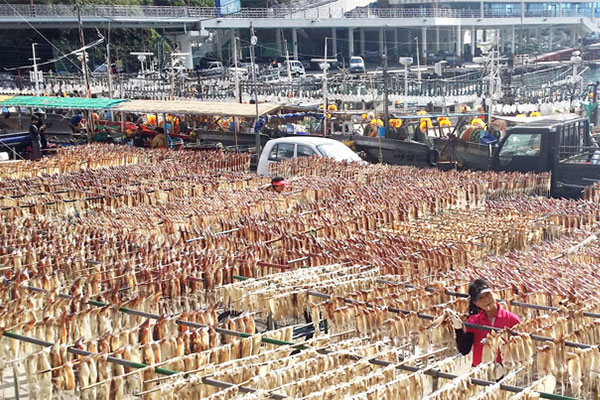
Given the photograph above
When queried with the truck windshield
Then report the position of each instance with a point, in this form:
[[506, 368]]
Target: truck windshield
[[338, 151], [519, 145]]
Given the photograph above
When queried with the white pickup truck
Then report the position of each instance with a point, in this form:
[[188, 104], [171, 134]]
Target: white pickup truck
[[302, 146]]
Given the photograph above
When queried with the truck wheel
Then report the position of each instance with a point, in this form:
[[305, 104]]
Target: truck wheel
[[433, 157]]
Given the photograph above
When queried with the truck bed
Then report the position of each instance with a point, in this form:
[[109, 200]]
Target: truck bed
[[467, 154]]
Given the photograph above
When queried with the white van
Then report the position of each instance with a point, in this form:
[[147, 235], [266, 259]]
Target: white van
[[296, 68], [357, 64], [302, 146]]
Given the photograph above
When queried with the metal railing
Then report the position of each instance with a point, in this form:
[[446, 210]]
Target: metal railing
[[579, 155], [308, 10]]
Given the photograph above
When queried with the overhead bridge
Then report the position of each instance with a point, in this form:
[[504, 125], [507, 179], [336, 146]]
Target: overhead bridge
[[322, 15]]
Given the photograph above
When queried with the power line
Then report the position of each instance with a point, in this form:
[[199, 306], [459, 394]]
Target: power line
[[40, 33]]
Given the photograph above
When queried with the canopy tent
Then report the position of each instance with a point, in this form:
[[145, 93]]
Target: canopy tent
[[196, 108], [79, 103]]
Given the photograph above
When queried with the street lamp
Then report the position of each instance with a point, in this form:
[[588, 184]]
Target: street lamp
[[175, 57], [141, 56], [406, 61]]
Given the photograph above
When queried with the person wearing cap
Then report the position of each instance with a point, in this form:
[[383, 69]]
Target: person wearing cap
[[278, 184], [483, 310]]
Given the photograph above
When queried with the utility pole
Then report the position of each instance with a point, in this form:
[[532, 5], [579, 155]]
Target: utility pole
[[287, 61], [84, 56], [108, 65], [386, 114], [35, 70], [418, 62], [325, 68], [238, 94], [174, 56], [253, 41]]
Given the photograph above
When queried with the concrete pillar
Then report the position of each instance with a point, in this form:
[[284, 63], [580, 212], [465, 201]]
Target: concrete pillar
[[362, 41], [219, 44], [473, 40], [295, 42], [424, 44], [334, 42], [381, 40], [512, 40], [550, 38], [459, 41], [396, 48], [522, 9], [185, 46], [593, 5], [537, 35], [481, 12], [231, 40], [350, 42], [437, 39], [484, 35], [278, 42]]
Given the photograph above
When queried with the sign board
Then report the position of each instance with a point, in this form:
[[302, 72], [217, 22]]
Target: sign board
[[225, 7], [40, 76], [406, 60]]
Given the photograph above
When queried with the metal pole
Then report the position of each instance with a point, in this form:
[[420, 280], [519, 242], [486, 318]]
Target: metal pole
[[108, 69], [172, 80], [287, 59], [325, 65], [35, 70], [405, 87], [467, 324], [132, 364], [253, 41], [238, 93], [418, 62], [386, 115], [83, 55]]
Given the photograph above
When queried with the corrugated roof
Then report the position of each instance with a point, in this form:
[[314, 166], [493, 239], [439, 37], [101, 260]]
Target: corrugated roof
[[196, 108], [81, 103]]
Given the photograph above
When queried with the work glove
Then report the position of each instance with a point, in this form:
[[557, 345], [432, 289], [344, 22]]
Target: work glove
[[454, 319]]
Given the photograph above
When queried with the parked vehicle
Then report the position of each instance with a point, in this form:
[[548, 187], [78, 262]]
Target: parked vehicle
[[213, 68], [591, 38], [241, 73], [357, 65], [296, 68], [248, 67], [302, 146], [560, 144], [452, 60]]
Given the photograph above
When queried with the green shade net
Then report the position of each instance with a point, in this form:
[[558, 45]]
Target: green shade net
[[61, 102]]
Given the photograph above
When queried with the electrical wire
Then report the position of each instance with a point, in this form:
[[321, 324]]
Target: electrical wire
[[97, 42], [40, 33]]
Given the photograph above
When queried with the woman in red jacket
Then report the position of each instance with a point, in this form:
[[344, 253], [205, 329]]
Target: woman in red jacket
[[483, 310]]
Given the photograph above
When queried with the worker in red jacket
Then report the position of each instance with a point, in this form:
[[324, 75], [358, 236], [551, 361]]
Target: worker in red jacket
[[483, 310]]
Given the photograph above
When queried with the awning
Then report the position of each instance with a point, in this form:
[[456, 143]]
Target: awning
[[4, 97], [80, 103], [196, 108]]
